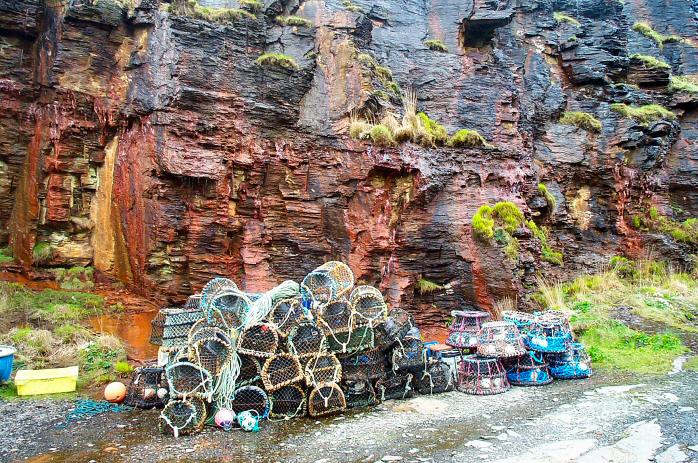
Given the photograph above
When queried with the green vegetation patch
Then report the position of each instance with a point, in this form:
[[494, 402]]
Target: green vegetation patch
[[192, 9], [651, 61], [434, 133], [436, 45], [467, 138], [277, 60], [563, 18], [581, 120], [6, 256], [549, 198], [42, 252], [691, 364], [251, 5], [683, 232], [687, 84], [349, 6], [74, 278], [504, 214], [294, 21], [548, 254], [645, 114], [660, 39], [380, 135], [425, 286]]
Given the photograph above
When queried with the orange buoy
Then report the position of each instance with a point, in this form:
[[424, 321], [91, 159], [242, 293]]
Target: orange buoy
[[115, 392]]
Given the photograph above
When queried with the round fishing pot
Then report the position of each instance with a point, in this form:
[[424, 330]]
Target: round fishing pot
[[7, 358]]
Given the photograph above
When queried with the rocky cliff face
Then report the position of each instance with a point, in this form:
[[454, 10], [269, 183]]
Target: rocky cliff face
[[152, 145]]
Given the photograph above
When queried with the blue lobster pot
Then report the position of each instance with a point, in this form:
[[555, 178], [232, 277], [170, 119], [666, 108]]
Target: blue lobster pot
[[573, 364], [522, 320], [7, 358], [535, 377], [550, 332]]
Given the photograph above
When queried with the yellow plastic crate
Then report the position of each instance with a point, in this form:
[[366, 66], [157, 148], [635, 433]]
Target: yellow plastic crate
[[52, 381]]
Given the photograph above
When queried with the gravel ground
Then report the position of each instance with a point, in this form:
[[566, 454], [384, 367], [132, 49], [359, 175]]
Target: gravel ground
[[603, 419]]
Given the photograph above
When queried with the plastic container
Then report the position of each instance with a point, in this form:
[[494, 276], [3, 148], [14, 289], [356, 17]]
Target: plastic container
[[7, 358], [53, 381]]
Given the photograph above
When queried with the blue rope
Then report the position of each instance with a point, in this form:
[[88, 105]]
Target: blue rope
[[87, 408]]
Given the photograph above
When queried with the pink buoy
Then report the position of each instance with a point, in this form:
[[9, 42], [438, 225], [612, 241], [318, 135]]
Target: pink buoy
[[225, 418]]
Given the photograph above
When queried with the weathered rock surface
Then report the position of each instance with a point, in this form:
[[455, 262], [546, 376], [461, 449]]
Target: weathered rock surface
[[155, 148]]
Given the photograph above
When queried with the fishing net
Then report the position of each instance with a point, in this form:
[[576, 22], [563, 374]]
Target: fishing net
[[286, 314], [396, 326], [408, 354], [358, 339], [359, 393], [250, 370], [318, 287], [212, 288], [259, 340], [233, 306], [529, 370], [144, 389], [371, 364], [435, 379], [157, 328], [549, 333], [500, 339], [193, 302], [281, 370], [522, 320], [326, 399], [306, 339], [176, 326], [210, 348], [322, 368], [395, 386], [482, 376], [250, 398], [287, 402], [183, 417], [369, 307], [574, 363], [341, 274], [464, 328], [335, 317], [186, 379]]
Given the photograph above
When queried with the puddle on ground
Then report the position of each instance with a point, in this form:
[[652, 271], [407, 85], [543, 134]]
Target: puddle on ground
[[132, 328]]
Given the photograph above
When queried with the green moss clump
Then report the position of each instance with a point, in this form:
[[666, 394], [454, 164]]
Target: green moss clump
[[505, 215], [6, 256], [688, 84], [563, 18], [549, 198], [425, 286], [380, 135], [74, 278], [349, 6], [660, 39], [435, 132], [436, 45], [645, 114], [467, 138], [582, 120], [483, 223], [192, 9], [277, 60], [251, 5], [383, 73], [294, 21], [359, 129], [548, 254], [651, 61], [43, 252], [123, 368]]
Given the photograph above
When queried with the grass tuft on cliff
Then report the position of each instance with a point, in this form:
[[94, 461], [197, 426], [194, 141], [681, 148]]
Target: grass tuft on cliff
[[581, 120], [687, 84], [548, 254], [251, 5], [504, 214], [74, 278], [294, 21], [380, 135], [349, 6], [683, 232], [42, 252], [425, 286], [6, 256], [645, 114], [660, 39], [650, 61], [436, 45], [192, 9], [563, 18], [277, 60], [433, 133], [549, 198], [468, 138]]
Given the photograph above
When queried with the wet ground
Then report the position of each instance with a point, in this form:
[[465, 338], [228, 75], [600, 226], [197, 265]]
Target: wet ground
[[606, 418]]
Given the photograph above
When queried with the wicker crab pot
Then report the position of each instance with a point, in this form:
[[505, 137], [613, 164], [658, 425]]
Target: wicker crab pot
[[500, 339], [250, 371], [549, 333], [464, 328], [482, 376], [529, 370], [287, 402], [369, 306], [341, 274], [210, 348], [281, 370], [435, 379], [326, 399], [175, 324], [145, 389], [193, 302], [522, 320], [572, 364], [395, 386], [322, 368], [358, 339], [186, 379], [396, 327], [259, 340], [286, 314], [319, 288], [306, 339], [335, 317], [370, 365], [183, 417], [250, 398], [409, 354], [359, 393]]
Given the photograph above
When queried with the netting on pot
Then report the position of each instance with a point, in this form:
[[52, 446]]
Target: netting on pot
[[571, 364], [341, 274], [435, 378], [145, 389], [326, 399], [395, 386], [212, 288], [286, 314], [359, 393], [183, 417], [522, 320], [250, 371], [335, 317], [210, 348], [193, 302], [176, 326], [157, 328], [259, 340], [306, 339], [287, 402], [370, 364], [452, 358], [369, 306], [549, 333], [396, 326], [322, 368], [408, 354], [466, 324], [186, 379], [529, 370], [281, 370], [500, 339], [482, 376], [250, 398], [233, 304], [318, 288], [358, 339]]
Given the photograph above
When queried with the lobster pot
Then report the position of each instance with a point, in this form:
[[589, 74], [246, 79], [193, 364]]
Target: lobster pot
[[176, 326], [529, 370], [319, 288], [212, 288], [307, 339], [287, 402], [286, 314], [358, 339], [250, 370], [482, 376], [522, 320], [183, 417], [157, 328], [250, 398], [452, 358], [369, 307], [572, 364], [335, 317], [396, 326], [193, 302], [259, 340], [370, 365], [464, 328], [281, 370], [322, 368], [211, 349], [500, 339], [186, 379], [549, 334], [142, 392], [408, 354], [341, 274], [395, 386], [232, 303], [359, 393], [326, 399], [435, 379]]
